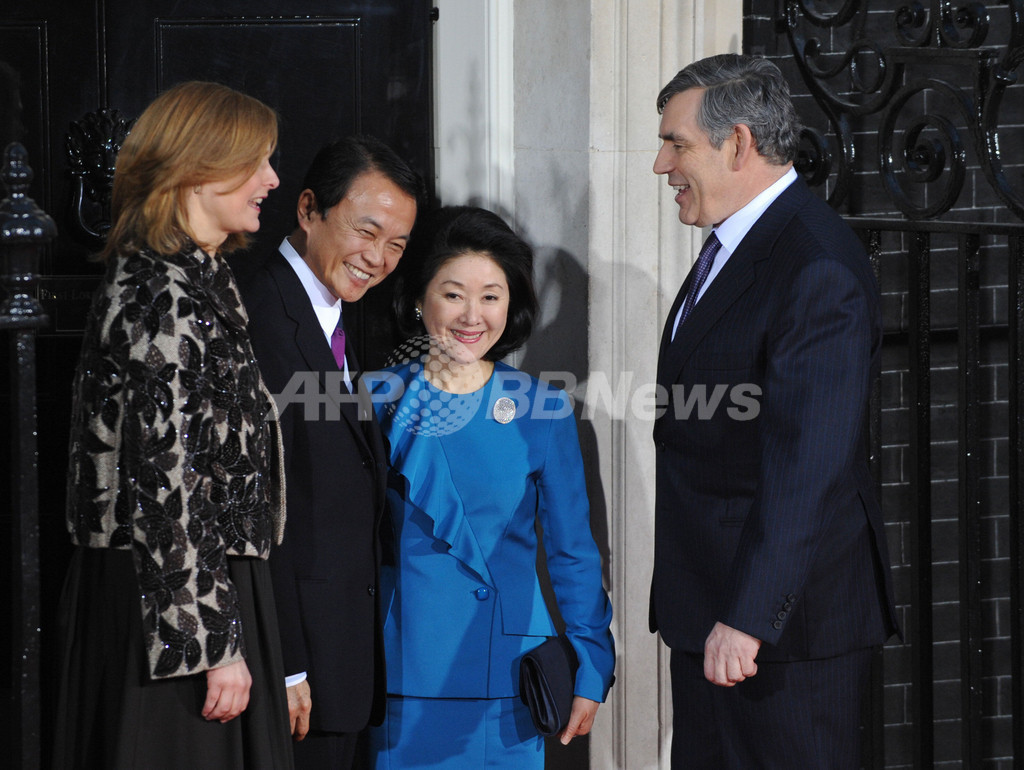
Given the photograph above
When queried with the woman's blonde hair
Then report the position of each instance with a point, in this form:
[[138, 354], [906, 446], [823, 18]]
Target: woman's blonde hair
[[192, 134]]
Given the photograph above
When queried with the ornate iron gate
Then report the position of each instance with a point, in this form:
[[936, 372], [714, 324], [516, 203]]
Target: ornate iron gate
[[915, 132]]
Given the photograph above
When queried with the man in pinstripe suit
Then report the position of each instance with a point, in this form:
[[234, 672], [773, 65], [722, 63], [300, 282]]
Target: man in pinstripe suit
[[771, 575]]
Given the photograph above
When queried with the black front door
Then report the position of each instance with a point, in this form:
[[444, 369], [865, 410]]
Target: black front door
[[73, 76]]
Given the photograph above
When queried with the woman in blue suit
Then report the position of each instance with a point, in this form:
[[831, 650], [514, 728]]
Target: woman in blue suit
[[480, 453]]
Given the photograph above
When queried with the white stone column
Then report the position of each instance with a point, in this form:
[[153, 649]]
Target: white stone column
[[639, 254], [546, 113]]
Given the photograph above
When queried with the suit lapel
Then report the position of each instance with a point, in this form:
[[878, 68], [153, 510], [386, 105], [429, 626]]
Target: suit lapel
[[309, 340], [367, 417], [427, 470], [666, 333], [736, 277]]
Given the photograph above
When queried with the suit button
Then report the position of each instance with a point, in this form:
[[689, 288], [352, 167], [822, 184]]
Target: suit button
[[787, 606], [367, 462], [482, 594], [371, 590], [777, 625], [791, 598], [781, 615]]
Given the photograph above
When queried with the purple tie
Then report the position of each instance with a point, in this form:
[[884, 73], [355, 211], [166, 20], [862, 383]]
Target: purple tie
[[705, 259], [338, 345]]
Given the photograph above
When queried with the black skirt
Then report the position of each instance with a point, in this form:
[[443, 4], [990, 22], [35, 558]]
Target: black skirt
[[111, 714]]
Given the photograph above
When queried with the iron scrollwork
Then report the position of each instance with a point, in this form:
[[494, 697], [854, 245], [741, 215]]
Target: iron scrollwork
[[931, 150], [92, 145], [922, 96]]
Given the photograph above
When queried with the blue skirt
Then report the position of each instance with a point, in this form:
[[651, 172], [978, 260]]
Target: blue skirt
[[456, 734]]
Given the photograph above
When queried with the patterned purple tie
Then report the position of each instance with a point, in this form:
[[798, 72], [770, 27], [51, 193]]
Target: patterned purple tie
[[338, 345], [705, 259]]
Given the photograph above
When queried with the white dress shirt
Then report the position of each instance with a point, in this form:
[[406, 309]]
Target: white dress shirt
[[735, 228], [326, 306]]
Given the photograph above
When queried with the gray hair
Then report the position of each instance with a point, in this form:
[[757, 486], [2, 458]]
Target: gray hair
[[741, 90]]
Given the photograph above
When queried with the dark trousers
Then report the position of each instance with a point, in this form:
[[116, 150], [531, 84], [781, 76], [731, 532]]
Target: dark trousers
[[802, 714], [326, 751]]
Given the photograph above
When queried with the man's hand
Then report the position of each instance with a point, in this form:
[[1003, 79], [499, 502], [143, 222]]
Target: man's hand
[[729, 655], [227, 691], [581, 719], [299, 706]]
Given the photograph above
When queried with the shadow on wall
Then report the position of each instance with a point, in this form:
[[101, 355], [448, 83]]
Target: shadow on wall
[[559, 347], [558, 352]]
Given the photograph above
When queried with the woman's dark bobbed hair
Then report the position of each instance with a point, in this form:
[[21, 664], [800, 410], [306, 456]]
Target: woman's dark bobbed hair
[[452, 231]]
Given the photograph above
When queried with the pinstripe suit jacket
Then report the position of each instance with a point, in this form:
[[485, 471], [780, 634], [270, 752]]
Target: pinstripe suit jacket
[[766, 513]]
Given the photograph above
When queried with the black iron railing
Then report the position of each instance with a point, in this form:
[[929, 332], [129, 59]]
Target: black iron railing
[[24, 231], [915, 333]]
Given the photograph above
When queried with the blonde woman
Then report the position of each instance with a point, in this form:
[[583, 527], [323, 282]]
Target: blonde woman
[[170, 646]]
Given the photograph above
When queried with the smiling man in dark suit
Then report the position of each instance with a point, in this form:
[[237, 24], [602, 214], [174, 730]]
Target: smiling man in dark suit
[[771, 575], [355, 215]]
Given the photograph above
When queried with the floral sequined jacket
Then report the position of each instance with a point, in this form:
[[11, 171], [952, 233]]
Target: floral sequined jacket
[[175, 452]]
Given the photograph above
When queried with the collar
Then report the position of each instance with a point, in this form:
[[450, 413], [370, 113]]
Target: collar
[[735, 228], [326, 306]]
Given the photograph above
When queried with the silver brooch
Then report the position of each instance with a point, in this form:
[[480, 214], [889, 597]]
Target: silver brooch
[[504, 410]]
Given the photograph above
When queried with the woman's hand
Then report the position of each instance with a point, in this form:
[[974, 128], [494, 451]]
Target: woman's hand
[[580, 720], [227, 691]]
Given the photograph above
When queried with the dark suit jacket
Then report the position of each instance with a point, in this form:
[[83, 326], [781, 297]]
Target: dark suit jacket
[[326, 571], [766, 514]]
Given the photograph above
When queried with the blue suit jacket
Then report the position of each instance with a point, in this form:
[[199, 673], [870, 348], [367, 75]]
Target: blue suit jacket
[[466, 494], [766, 513]]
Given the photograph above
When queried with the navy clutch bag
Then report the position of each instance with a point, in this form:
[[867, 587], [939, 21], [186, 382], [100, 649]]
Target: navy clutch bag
[[547, 679]]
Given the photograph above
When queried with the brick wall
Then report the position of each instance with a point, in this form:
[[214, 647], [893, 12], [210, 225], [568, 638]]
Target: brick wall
[[976, 201]]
